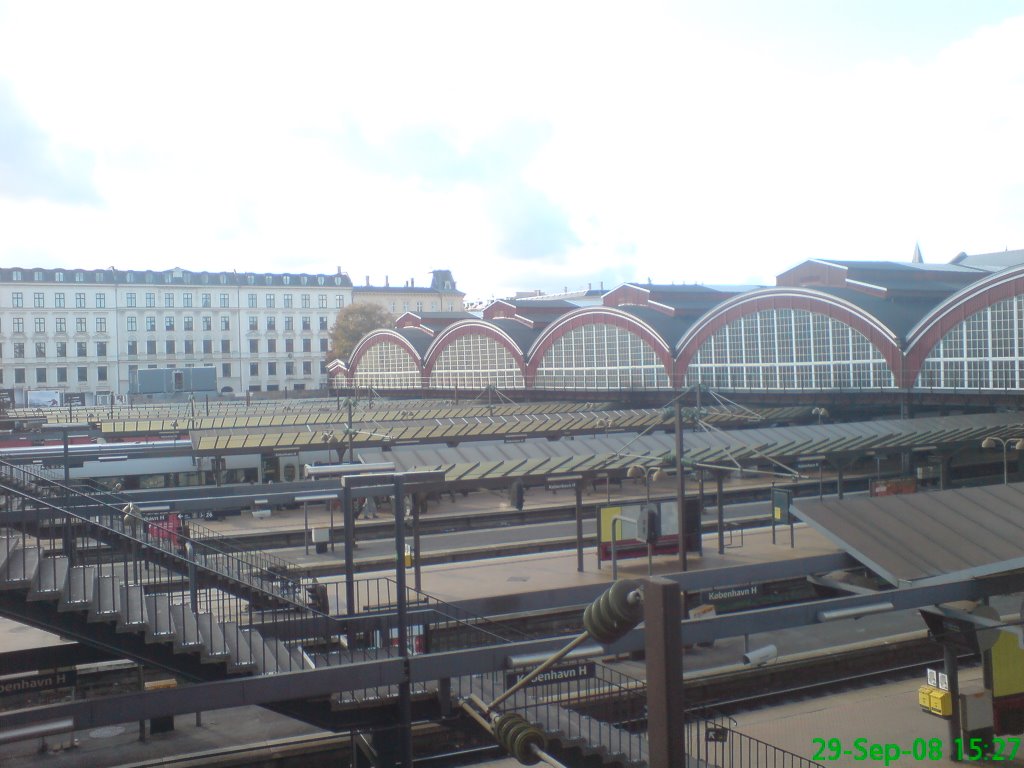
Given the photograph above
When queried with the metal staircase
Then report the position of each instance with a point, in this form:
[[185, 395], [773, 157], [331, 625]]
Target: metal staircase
[[140, 590], [78, 565]]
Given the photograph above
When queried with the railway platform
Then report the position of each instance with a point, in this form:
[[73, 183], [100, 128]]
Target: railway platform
[[880, 714]]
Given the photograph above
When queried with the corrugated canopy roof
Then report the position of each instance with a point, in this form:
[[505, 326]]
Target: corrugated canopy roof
[[929, 537]]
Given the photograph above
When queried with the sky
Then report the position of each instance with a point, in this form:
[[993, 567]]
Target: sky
[[522, 145]]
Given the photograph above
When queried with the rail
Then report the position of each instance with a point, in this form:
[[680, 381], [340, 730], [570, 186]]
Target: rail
[[712, 739], [212, 550]]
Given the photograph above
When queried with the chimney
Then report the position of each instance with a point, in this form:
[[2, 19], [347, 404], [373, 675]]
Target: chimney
[[386, 283], [412, 282], [367, 281], [589, 286], [602, 285]]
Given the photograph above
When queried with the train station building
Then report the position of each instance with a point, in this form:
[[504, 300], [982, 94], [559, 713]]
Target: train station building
[[827, 326]]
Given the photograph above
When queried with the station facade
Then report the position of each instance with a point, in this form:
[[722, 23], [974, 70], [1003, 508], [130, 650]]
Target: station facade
[[826, 325]]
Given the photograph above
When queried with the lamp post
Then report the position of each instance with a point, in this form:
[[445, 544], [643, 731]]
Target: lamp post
[[820, 412], [1017, 443]]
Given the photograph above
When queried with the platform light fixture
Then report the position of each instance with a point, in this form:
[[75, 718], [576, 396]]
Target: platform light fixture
[[1016, 443]]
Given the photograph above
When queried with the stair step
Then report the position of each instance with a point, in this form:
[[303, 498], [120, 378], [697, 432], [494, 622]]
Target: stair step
[[186, 629], [215, 646], [271, 654], [132, 615], [237, 640], [77, 592], [51, 575], [158, 619], [19, 567], [106, 599]]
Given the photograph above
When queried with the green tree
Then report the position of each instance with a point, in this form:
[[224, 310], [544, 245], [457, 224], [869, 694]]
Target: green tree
[[352, 323]]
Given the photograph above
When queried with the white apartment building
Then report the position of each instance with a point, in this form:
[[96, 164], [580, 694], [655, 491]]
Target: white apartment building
[[88, 331]]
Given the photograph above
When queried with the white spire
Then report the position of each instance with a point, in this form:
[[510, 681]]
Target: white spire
[[917, 255]]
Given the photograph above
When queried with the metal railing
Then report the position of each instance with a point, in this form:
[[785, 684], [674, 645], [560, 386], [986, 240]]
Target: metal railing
[[712, 739], [211, 551]]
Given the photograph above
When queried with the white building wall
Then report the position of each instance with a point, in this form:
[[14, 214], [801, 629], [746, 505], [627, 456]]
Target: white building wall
[[87, 330]]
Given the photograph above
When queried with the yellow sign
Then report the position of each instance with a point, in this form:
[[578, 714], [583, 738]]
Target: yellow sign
[[607, 514], [1007, 666]]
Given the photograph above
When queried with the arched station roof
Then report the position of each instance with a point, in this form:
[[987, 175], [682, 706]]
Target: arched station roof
[[644, 323], [934, 326], [414, 341], [836, 304], [506, 332]]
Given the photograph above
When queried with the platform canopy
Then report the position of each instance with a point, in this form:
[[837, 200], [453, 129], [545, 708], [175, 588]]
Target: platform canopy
[[928, 537]]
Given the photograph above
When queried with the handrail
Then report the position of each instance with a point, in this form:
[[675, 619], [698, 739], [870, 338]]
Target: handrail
[[251, 572]]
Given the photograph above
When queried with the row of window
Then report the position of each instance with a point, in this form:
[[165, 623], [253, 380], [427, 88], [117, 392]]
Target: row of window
[[60, 324], [60, 375], [188, 346], [170, 347], [81, 349], [289, 368], [169, 277], [775, 349], [188, 323], [205, 299]]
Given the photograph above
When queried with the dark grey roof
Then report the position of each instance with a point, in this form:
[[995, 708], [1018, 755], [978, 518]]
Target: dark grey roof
[[899, 314], [419, 338], [527, 303], [442, 280], [670, 328], [394, 289], [992, 262], [686, 289], [927, 537], [521, 334], [908, 268]]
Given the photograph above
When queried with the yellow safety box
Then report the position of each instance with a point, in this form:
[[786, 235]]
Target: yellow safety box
[[924, 697], [941, 703]]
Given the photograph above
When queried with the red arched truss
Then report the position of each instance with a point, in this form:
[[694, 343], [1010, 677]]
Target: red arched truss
[[597, 316], [956, 309], [809, 300], [372, 339], [465, 328]]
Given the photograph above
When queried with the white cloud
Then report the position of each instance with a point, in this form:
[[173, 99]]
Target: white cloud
[[670, 149]]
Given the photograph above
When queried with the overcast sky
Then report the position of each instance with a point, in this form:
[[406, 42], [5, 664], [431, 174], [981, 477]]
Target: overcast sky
[[521, 145]]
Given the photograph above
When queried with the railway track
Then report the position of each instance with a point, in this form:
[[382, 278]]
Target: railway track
[[724, 691]]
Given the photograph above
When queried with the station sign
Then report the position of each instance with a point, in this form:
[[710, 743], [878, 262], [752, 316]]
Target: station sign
[[727, 594], [47, 681], [565, 673]]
